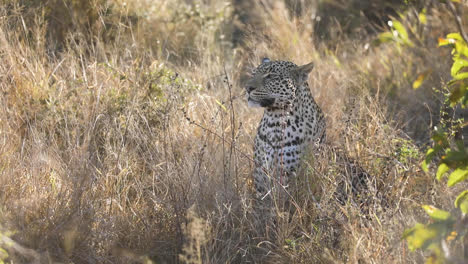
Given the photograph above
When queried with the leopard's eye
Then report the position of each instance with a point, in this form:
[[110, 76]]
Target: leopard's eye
[[250, 88]]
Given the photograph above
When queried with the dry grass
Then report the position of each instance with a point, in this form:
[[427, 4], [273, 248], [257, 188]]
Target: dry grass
[[128, 140]]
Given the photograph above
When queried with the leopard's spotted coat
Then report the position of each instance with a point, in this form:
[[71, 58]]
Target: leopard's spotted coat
[[292, 120]]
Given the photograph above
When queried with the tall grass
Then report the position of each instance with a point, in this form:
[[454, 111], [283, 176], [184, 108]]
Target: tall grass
[[126, 138]]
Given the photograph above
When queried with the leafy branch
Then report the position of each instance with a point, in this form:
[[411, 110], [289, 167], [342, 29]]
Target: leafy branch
[[447, 228]]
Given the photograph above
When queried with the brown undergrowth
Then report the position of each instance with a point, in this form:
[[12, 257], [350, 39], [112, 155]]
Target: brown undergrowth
[[133, 144]]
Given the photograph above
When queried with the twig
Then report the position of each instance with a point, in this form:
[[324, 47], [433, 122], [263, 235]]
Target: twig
[[215, 134], [232, 150]]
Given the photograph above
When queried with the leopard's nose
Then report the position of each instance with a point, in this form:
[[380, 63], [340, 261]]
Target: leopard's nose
[[249, 88]]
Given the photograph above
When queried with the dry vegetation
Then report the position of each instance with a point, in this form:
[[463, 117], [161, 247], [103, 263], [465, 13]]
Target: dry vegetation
[[125, 138]]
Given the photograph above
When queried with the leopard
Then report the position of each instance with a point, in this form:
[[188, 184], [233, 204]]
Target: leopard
[[292, 122]]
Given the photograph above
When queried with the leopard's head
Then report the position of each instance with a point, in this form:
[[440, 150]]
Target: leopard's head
[[274, 84]]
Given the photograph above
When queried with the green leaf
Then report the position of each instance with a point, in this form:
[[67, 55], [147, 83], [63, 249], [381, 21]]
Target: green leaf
[[461, 76], [429, 156], [436, 214], [457, 66], [386, 37], [462, 202], [422, 16], [402, 33], [461, 49], [458, 91], [424, 165], [443, 168], [458, 175], [419, 236], [455, 36]]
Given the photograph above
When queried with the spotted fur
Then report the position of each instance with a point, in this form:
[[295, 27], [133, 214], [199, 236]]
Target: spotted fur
[[292, 120]]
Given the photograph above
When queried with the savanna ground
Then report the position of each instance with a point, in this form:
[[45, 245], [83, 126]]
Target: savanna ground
[[125, 135]]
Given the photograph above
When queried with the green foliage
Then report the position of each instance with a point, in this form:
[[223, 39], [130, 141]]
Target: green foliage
[[458, 175], [291, 244], [459, 85], [3, 255], [462, 202], [427, 236], [437, 214], [163, 81], [405, 34], [398, 34], [406, 152], [452, 158]]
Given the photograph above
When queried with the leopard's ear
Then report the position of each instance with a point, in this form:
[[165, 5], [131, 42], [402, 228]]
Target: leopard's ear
[[301, 73], [305, 69]]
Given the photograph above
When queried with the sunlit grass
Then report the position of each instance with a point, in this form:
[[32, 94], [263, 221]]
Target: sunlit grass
[[127, 138]]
